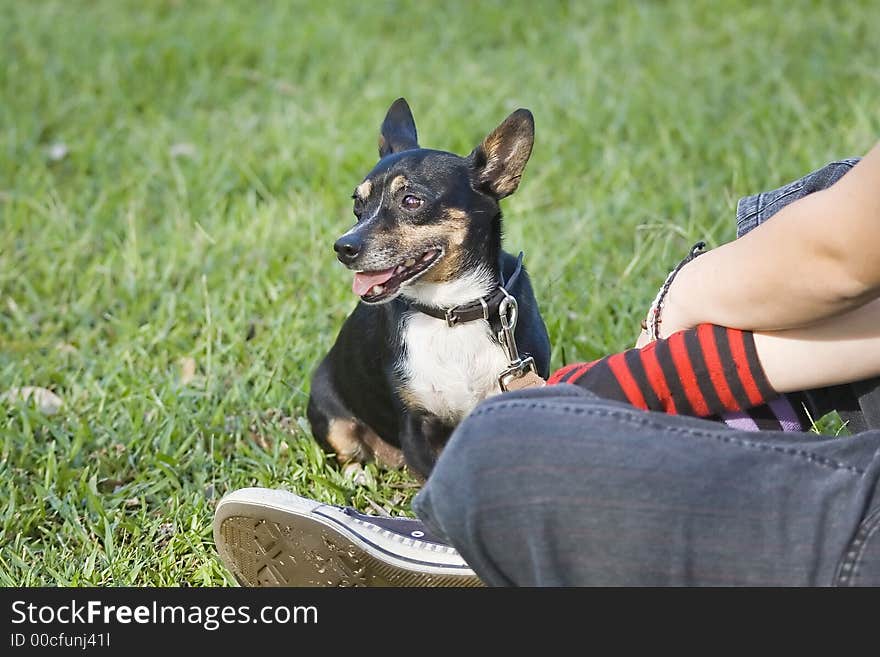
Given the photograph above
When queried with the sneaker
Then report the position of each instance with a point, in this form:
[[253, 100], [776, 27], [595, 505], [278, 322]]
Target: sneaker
[[269, 537]]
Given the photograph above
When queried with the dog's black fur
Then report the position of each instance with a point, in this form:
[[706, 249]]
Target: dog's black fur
[[440, 211]]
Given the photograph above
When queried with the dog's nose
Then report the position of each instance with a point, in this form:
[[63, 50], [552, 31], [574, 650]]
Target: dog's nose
[[348, 248]]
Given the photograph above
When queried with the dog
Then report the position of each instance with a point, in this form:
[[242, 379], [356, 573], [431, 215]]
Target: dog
[[422, 347]]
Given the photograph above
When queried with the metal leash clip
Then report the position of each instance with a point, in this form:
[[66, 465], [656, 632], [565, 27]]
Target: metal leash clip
[[508, 312]]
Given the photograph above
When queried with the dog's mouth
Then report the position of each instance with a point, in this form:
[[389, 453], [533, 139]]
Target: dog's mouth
[[379, 286]]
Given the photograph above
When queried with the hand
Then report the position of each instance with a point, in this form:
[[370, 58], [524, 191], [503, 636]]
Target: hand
[[674, 317]]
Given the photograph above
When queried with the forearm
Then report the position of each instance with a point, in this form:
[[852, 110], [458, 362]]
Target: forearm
[[705, 372], [713, 370], [817, 258], [838, 350]]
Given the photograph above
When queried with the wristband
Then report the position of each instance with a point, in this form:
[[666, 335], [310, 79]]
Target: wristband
[[652, 324]]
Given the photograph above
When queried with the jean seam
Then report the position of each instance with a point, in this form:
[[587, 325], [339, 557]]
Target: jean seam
[[763, 206], [644, 422], [848, 569], [743, 220], [849, 163]]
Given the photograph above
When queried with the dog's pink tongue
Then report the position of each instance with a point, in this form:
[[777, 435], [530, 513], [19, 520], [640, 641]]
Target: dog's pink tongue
[[364, 280]]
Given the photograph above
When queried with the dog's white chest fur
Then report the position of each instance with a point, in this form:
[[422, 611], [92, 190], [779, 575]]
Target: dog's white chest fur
[[447, 371]]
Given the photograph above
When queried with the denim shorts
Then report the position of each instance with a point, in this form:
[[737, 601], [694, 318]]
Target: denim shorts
[[751, 211]]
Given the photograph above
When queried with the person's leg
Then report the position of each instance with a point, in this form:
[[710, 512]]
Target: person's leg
[[554, 486]]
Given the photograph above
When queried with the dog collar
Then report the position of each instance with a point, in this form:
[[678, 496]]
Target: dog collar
[[483, 308]]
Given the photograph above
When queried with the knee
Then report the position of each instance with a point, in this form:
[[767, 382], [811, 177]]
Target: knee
[[461, 478], [469, 452], [476, 468], [502, 432], [507, 434]]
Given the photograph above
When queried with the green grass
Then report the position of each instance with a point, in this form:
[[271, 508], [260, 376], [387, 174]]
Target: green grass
[[210, 151]]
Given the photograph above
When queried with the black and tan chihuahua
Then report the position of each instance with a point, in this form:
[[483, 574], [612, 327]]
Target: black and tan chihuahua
[[423, 345]]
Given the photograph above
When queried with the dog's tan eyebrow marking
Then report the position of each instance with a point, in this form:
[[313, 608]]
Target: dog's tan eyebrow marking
[[456, 214], [397, 183], [363, 190]]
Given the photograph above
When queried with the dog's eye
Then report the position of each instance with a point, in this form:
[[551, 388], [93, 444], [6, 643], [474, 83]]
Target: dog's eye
[[411, 202]]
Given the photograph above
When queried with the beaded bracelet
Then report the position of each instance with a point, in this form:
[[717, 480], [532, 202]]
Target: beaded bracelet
[[652, 325]]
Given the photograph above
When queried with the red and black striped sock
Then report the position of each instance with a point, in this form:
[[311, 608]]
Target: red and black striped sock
[[708, 371]]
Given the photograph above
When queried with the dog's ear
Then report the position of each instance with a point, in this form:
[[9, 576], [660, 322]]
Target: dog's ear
[[398, 130], [499, 161]]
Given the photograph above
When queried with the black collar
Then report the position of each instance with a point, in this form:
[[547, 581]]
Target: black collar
[[483, 308]]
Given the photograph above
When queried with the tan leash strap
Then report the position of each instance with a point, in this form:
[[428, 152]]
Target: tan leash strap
[[528, 380]]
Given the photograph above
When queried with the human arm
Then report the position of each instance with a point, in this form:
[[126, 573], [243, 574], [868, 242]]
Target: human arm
[[836, 350], [818, 257], [712, 370]]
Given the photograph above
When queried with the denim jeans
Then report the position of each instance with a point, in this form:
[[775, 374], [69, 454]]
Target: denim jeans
[[555, 486]]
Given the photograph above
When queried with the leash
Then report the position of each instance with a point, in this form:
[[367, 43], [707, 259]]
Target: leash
[[520, 372]]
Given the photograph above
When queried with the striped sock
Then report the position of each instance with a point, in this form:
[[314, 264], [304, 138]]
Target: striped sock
[[710, 371]]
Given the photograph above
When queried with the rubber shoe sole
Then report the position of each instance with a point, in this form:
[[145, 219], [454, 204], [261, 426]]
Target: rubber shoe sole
[[269, 537]]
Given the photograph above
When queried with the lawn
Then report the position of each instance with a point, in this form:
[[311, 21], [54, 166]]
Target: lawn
[[173, 175]]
